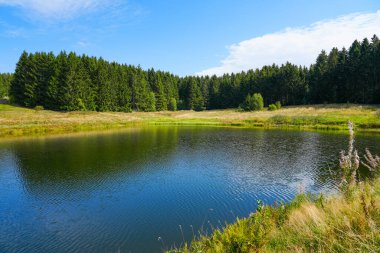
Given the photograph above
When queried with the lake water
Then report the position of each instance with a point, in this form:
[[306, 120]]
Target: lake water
[[121, 191]]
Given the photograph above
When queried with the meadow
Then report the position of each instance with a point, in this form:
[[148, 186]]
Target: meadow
[[20, 121]]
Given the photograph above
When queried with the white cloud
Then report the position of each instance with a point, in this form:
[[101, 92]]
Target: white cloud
[[56, 9], [298, 45]]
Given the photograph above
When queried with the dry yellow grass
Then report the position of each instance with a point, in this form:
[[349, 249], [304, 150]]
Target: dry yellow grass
[[290, 111]]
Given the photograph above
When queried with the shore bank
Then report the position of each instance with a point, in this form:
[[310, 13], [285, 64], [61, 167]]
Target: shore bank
[[341, 223], [17, 121]]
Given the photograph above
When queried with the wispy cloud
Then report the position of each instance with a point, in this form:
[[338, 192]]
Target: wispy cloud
[[297, 45], [70, 18], [82, 44], [15, 33], [57, 9], [10, 31]]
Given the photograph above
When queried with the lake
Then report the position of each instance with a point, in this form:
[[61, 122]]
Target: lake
[[146, 189]]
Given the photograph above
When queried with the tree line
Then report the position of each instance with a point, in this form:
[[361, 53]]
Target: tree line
[[70, 82]]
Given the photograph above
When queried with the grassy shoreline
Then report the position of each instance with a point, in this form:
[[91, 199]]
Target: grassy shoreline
[[340, 223], [346, 222], [18, 121]]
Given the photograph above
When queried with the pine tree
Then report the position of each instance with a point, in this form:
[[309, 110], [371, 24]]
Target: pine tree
[[319, 81], [18, 83], [142, 95], [353, 71], [50, 97], [124, 93], [160, 97], [103, 87], [31, 82], [196, 102]]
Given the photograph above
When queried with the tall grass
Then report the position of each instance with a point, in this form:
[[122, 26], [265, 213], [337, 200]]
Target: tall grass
[[347, 222]]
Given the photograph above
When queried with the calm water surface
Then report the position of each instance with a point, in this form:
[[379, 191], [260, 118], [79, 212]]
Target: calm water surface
[[121, 191]]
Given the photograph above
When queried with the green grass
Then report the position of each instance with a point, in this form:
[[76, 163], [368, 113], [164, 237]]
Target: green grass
[[307, 224], [18, 121]]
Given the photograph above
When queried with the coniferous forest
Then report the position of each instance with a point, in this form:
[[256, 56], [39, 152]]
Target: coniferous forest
[[69, 82]]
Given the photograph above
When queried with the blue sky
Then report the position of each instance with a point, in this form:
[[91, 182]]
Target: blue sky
[[185, 37]]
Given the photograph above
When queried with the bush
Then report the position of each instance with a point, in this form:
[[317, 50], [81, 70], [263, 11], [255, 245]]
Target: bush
[[39, 108], [253, 103], [247, 105], [258, 102], [272, 107], [172, 104], [278, 104]]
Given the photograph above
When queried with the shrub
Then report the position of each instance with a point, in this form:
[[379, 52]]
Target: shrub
[[172, 104], [254, 102], [278, 105], [258, 101], [39, 108], [272, 107]]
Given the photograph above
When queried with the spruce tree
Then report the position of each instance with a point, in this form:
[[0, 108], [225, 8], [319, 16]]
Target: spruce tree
[[160, 97], [196, 102], [18, 83], [31, 84]]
